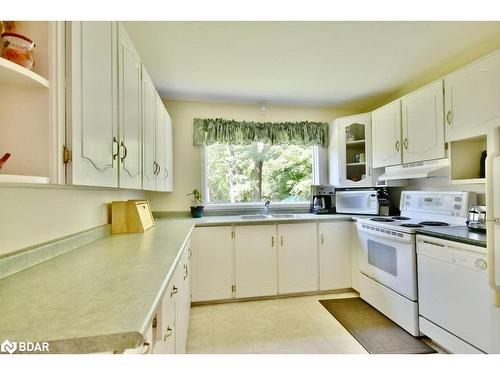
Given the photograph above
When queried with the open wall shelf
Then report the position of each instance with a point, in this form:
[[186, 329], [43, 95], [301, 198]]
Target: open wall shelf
[[25, 111], [12, 74], [465, 160]]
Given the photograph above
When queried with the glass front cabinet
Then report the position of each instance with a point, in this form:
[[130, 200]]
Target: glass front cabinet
[[350, 154]]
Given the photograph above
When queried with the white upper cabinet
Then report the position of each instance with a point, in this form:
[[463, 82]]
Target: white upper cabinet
[[149, 166], [256, 261], [472, 98], [160, 155], [117, 128], [92, 115], [334, 255], [386, 135], [350, 154], [423, 125], [169, 154], [130, 98], [297, 258]]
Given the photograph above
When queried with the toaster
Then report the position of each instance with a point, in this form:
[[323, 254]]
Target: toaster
[[477, 218]]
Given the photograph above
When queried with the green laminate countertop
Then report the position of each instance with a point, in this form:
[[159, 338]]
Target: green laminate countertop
[[460, 234], [99, 297]]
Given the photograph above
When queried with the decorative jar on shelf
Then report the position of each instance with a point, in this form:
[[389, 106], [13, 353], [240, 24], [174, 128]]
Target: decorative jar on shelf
[[18, 49]]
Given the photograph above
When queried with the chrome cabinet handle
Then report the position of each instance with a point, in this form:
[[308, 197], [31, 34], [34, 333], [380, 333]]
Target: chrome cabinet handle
[[449, 117], [405, 143], [156, 167], [186, 272], [125, 149], [174, 291], [190, 253], [272, 241], [322, 239], [159, 170], [168, 333], [166, 172], [397, 145], [115, 154]]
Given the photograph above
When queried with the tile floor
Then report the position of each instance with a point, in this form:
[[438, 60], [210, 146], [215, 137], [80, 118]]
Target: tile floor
[[292, 325]]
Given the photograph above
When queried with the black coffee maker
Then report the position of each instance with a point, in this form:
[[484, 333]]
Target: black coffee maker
[[322, 199]]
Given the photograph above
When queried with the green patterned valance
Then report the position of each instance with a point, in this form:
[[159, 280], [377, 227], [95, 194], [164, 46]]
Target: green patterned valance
[[210, 131]]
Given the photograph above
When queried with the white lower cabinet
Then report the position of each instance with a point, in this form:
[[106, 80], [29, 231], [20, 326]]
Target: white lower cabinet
[[183, 301], [212, 263], [355, 245], [256, 261], [247, 261], [334, 255], [173, 314], [297, 258]]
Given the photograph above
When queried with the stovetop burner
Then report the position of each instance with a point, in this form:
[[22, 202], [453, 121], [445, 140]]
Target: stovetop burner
[[381, 219], [401, 218], [411, 225], [434, 223]]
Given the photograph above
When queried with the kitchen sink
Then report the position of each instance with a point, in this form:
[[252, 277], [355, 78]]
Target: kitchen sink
[[262, 217], [253, 217]]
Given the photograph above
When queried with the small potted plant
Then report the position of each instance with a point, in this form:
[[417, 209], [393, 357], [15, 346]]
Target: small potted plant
[[196, 204]]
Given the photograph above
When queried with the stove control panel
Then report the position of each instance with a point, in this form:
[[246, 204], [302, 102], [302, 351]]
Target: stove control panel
[[450, 203]]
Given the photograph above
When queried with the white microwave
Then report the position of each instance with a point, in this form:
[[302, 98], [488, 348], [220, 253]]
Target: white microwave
[[363, 202]]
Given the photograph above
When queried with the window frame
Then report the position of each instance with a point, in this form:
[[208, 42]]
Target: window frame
[[319, 168]]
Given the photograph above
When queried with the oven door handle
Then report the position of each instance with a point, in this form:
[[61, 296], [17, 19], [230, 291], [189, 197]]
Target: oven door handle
[[405, 239]]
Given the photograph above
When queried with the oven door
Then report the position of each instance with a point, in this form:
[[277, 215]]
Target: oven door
[[389, 260]]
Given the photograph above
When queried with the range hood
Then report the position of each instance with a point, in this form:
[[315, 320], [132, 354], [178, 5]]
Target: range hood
[[425, 169]]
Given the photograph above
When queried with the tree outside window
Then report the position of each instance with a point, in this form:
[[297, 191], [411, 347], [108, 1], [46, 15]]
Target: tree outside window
[[258, 172]]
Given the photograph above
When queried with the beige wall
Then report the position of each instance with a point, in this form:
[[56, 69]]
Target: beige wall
[[187, 158], [31, 215]]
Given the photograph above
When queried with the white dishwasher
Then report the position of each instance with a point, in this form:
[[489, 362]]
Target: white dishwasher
[[453, 294]]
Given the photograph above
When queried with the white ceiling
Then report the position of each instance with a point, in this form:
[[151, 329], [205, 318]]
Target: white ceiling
[[341, 64]]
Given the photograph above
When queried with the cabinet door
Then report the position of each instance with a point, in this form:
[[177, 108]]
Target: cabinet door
[[423, 126], [148, 132], [165, 343], [355, 151], [160, 144], [256, 261], [472, 98], [169, 154], [183, 302], [355, 245], [129, 100], [91, 105], [298, 258], [334, 256], [386, 135], [212, 263]]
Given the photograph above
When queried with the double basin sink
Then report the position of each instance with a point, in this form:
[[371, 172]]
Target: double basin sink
[[263, 217]]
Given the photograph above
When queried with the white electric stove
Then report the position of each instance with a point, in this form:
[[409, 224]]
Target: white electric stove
[[388, 259]]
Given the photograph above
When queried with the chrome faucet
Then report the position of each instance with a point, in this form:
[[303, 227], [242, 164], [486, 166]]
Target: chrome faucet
[[266, 207]]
